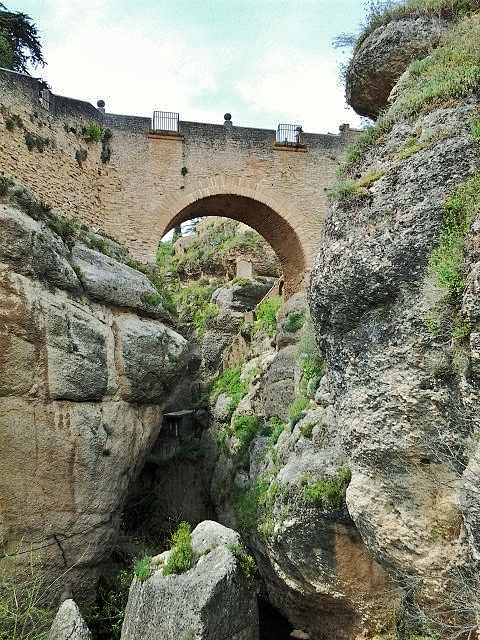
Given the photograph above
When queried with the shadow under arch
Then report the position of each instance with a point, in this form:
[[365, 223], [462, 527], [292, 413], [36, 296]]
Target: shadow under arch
[[259, 216]]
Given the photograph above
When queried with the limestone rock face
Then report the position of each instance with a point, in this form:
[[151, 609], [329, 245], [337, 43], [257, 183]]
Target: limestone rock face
[[240, 297], [109, 281], [279, 389], [69, 624], [382, 58], [82, 386], [151, 358], [402, 388], [34, 251], [217, 339], [211, 600]]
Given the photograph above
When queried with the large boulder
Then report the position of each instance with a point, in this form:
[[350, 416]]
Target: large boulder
[[69, 624], [214, 599], [31, 249], [151, 357], [279, 391], [384, 55], [115, 283], [243, 295]]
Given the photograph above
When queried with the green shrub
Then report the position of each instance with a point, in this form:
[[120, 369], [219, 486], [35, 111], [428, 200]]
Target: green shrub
[[66, 228], [307, 429], [245, 508], [150, 299], [345, 191], [245, 428], [38, 210], [329, 493], [98, 244], [475, 131], [204, 317], [278, 428], [266, 316], [296, 409], [143, 568], [246, 563], [105, 617], [446, 260], [80, 156], [12, 121], [27, 603], [181, 558], [164, 252], [5, 184], [33, 141], [295, 321], [94, 132], [369, 136], [228, 382]]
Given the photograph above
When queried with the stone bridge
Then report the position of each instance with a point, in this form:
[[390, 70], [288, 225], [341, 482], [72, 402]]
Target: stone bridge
[[154, 180]]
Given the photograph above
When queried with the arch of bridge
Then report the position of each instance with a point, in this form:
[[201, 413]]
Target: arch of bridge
[[253, 204]]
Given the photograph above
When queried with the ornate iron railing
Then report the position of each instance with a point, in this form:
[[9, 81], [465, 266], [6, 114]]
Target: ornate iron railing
[[165, 121], [289, 134]]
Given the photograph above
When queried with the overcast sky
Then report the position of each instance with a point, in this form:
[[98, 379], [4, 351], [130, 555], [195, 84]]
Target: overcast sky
[[264, 61]]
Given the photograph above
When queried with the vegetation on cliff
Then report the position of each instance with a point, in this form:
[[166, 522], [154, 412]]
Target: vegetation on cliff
[[450, 72], [381, 12]]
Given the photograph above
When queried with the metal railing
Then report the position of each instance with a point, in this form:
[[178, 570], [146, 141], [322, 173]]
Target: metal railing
[[165, 121], [289, 133]]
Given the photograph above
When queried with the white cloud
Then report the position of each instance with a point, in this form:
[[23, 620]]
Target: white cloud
[[130, 72], [299, 86], [158, 58]]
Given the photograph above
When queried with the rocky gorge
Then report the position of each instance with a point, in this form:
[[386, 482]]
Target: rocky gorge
[[332, 468]]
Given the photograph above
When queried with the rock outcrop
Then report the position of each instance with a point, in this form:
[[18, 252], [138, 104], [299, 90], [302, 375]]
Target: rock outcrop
[[401, 358], [384, 55], [82, 384], [69, 624], [214, 599]]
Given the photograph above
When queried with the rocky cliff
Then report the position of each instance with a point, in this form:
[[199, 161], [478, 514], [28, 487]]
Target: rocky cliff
[[87, 363], [393, 296]]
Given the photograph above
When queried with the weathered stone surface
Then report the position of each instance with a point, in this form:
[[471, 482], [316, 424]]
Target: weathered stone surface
[[292, 312], [216, 341], [280, 385], [211, 600], [114, 283], [240, 297], [33, 250], [151, 357], [382, 58], [208, 534], [72, 445], [76, 351], [405, 420], [69, 624], [359, 267]]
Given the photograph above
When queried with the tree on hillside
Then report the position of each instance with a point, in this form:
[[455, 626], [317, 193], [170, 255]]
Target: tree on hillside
[[19, 43]]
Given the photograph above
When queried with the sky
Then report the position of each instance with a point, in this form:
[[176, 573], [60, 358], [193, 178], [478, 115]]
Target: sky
[[264, 61]]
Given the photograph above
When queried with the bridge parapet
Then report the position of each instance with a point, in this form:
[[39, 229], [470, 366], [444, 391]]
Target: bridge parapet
[[153, 181]]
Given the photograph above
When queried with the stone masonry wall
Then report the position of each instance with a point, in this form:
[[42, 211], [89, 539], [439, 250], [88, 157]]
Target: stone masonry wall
[[141, 191]]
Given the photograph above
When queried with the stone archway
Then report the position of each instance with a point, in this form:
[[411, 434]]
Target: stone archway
[[256, 207]]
